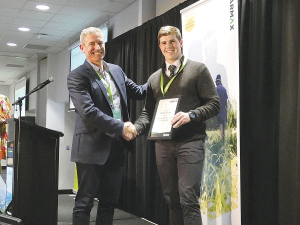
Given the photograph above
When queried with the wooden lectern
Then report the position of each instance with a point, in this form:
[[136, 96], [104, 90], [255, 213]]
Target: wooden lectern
[[35, 171]]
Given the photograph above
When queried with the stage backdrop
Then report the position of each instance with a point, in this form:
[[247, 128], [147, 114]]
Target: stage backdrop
[[210, 35]]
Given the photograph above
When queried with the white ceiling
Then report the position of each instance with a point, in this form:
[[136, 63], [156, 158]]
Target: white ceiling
[[52, 30]]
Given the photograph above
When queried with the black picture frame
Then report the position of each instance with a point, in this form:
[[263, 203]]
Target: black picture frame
[[162, 135]]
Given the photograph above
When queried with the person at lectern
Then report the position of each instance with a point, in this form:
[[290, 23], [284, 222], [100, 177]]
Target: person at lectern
[[5, 113], [180, 160], [99, 91]]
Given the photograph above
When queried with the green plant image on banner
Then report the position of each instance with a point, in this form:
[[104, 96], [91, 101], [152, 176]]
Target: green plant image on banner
[[219, 189]]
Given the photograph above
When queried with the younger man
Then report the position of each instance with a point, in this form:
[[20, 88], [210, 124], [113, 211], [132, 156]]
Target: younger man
[[180, 160]]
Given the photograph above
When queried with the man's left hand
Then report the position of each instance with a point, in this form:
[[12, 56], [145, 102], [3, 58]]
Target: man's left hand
[[179, 119]]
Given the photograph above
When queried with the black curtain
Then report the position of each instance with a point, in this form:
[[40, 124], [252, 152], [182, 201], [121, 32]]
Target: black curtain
[[269, 109], [269, 112], [260, 51], [289, 122]]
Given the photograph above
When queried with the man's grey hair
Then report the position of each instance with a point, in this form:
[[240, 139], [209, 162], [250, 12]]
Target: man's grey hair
[[89, 30]]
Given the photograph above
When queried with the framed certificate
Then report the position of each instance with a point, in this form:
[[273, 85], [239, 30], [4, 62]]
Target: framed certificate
[[165, 110]]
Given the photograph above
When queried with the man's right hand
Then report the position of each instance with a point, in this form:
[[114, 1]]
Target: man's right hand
[[129, 131]]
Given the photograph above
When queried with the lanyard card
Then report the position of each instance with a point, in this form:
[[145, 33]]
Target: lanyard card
[[117, 114]]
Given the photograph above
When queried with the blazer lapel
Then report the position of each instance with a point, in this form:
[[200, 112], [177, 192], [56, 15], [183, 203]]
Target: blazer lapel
[[114, 74], [94, 77]]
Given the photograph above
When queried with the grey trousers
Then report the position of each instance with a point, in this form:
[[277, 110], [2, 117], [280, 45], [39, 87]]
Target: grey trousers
[[180, 166]]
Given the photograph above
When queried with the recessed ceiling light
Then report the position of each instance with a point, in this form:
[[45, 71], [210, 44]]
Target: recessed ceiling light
[[42, 7], [24, 29], [11, 44]]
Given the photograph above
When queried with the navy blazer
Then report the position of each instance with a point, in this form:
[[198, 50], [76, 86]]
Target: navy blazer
[[95, 126]]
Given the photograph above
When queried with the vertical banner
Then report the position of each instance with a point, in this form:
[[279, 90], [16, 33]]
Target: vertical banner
[[2, 195], [210, 35], [9, 184]]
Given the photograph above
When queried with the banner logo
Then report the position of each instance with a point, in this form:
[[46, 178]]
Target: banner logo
[[189, 24], [231, 15]]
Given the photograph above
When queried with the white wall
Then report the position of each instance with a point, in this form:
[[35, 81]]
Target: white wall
[[32, 76], [134, 15], [8, 91], [11, 95], [163, 6], [41, 108], [66, 167], [58, 117], [138, 13], [59, 68], [147, 10], [4, 90], [125, 21]]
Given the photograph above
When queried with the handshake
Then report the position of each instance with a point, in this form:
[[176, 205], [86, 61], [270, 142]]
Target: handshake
[[129, 131]]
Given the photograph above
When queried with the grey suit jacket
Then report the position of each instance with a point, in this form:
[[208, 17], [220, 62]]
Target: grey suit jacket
[[95, 126]]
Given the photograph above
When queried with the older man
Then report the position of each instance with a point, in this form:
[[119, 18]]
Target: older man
[[99, 92]]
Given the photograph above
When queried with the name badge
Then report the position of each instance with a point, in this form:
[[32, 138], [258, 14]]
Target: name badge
[[117, 114]]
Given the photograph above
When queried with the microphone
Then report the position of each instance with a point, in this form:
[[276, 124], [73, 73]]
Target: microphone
[[40, 86]]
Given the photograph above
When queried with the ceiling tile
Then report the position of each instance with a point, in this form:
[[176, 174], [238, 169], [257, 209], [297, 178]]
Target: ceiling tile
[[75, 11], [42, 43], [34, 15], [5, 11], [17, 4], [18, 40], [46, 38], [70, 38], [62, 23], [62, 44], [105, 6], [101, 4], [57, 49], [31, 51], [60, 26], [68, 19], [97, 20], [11, 56], [53, 32], [3, 28], [14, 49], [6, 19], [14, 27], [115, 7], [6, 74], [54, 8], [17, 35], [125, 1], [55, 1], [36, 46], [10, 65], [30, 66], [29, 22]]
